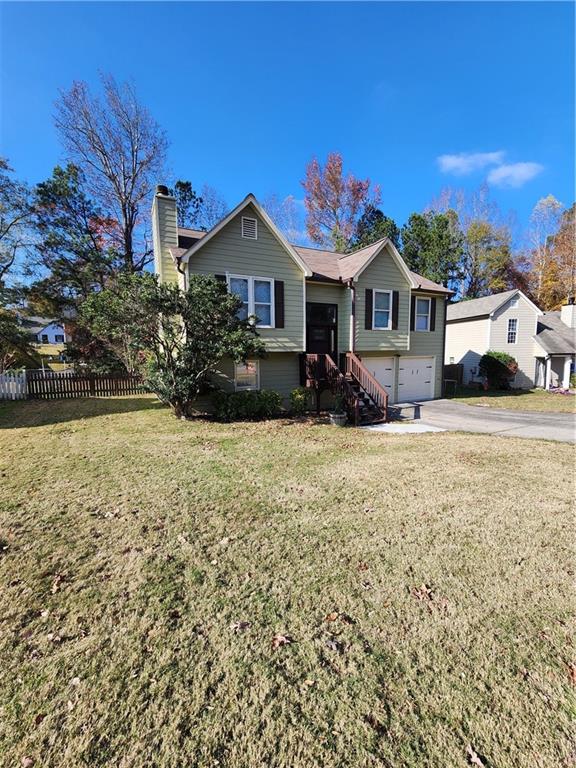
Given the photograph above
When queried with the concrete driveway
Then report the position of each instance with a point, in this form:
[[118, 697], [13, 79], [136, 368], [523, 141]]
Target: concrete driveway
[[450, 415]]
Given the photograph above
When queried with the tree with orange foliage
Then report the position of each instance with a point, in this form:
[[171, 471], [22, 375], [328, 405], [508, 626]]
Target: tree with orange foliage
[[334, 202]]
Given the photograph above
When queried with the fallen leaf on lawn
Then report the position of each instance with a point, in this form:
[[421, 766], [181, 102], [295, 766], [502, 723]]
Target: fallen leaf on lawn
[[70, 705], [27, 761], [335, 645], [362, 566], [423, 592], [473, 758], [332, 616], [572, 673], [240, 626], [309, 683], [346, 618], [75, 681], [58, 579], [367, 585], [279, 640], [38, 719]]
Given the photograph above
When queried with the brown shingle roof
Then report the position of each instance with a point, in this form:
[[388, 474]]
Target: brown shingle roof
[[324, 264]]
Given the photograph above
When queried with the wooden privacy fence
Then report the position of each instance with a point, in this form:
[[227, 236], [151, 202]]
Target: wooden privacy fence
[[53, 385], [12, 386]]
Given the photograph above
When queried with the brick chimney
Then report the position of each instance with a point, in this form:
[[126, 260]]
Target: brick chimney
[[568, 312], [164, 234]]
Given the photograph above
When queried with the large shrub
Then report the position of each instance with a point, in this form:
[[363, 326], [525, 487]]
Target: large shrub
[[175, 339], [499, 368], [238, 406]]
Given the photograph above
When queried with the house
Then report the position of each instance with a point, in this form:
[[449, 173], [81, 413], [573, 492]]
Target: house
[[361, 321], [49, 339], [543, 343]]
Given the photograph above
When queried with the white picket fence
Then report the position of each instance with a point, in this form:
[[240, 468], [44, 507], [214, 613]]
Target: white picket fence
[[13, 386]]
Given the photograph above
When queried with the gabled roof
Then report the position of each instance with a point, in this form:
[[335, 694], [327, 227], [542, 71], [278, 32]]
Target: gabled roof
[[35, 324], [317, 263], [554, 336], [485, 306], [248, 200]]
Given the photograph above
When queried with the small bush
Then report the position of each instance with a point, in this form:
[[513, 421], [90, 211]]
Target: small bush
[[252, 406], [573, 381], [499, 368], [300, 401]]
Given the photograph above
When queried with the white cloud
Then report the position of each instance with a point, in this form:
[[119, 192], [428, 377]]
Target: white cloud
[[468, 162], [514, 174]]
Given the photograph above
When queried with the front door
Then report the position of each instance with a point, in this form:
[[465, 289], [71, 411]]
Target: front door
[[321, 329]]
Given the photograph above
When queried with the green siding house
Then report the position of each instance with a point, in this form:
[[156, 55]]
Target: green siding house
[[365, 310]]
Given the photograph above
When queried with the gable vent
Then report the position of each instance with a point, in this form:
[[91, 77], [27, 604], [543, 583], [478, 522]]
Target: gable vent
[[249, 228]]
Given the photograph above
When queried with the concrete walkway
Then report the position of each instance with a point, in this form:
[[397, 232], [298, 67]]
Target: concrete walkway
[[450, 415], [399, 428]]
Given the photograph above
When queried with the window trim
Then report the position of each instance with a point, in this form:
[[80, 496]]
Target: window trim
[[251, 298], [255, 388], [249, 218], [515, 320], [389, 310], [419, 314]]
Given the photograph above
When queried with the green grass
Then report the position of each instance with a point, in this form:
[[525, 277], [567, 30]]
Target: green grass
[[132, 543], [518, 400]]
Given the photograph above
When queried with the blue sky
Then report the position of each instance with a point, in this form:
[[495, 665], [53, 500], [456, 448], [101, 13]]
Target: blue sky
[[417, 96]]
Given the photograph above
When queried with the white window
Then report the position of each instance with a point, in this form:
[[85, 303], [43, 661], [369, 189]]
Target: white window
[[249, 228], [257, 294], [382, 310], [422, 315], [247, 375], [512, 330]]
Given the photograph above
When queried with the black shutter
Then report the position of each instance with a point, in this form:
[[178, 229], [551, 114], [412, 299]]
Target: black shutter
[[412, 312], [368, 310], [220, 278], [432, 314], [395, 297], [279, 303]]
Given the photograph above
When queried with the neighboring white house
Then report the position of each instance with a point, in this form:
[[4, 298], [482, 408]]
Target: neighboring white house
[[543, 344], [46, 331]]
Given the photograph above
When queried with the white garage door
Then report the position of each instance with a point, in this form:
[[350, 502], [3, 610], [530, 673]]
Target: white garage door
[[382, 368], [415, 378]]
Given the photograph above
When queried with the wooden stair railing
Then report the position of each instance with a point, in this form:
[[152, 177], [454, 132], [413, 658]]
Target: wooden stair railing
[[355, 368], [340, 386]]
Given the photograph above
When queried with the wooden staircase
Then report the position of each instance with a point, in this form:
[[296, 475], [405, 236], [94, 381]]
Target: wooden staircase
[[365, 399]]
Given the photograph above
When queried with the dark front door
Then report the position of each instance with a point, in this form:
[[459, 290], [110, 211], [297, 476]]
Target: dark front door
[[321, 329]]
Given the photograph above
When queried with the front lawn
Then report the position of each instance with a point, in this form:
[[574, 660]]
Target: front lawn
[[282, 594], [518, 399]]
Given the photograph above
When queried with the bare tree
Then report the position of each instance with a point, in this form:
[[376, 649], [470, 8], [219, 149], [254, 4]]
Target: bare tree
[[121, 150], [15, 213], [213, 208], [284, 213], [544, 224]]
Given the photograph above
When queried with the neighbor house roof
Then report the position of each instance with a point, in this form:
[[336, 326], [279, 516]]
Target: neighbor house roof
[[486, 305], [554, 336], [323, 264], [35, 324]]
